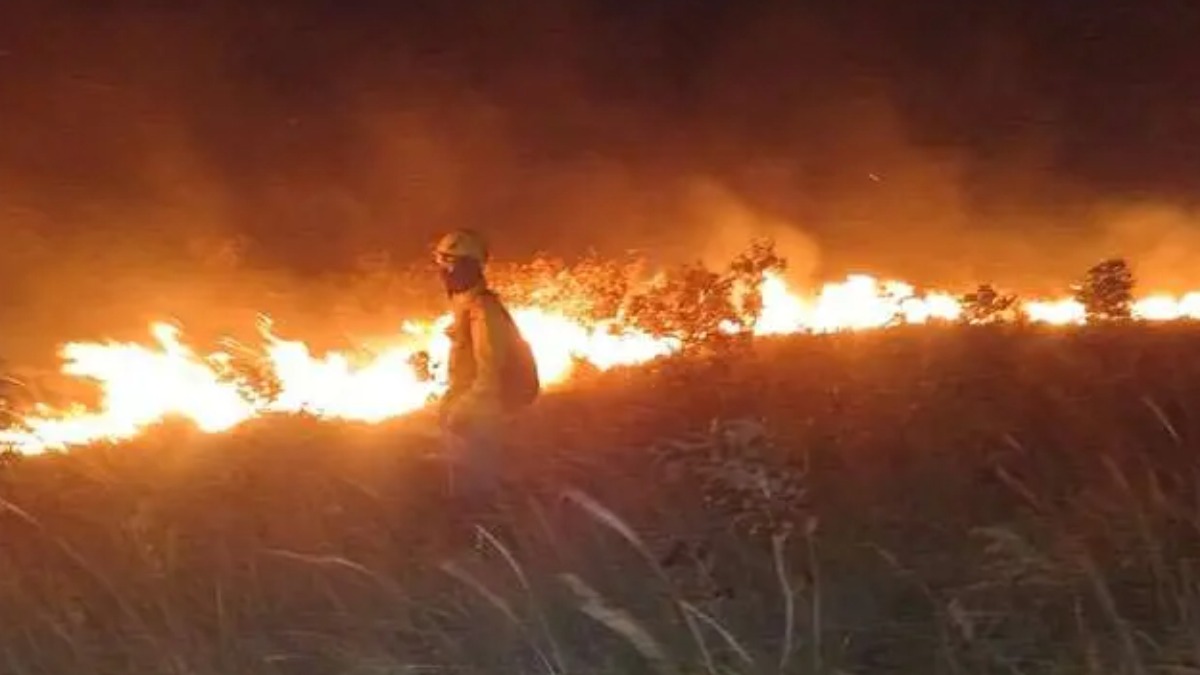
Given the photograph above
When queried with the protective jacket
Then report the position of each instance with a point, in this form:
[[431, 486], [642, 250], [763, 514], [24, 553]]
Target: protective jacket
[[483, 342]]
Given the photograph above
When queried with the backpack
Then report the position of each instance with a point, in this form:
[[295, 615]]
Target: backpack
[[519, 373]]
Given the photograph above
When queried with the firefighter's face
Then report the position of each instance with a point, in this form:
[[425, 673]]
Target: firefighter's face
[[458, 273], [444, 262]]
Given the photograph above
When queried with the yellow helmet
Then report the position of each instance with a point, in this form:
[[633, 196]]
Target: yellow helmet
[[461, 244]]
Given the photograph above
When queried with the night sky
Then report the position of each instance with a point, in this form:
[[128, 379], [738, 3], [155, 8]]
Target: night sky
[[940, 141]]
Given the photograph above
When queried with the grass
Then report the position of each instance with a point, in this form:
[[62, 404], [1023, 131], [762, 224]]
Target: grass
[[1008, 500]]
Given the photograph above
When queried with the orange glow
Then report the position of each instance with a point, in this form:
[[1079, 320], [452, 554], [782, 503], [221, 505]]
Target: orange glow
[[1063, 312], [1164, 307], [144, 384]]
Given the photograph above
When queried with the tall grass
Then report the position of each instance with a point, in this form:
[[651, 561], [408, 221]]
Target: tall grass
[[936, 502]]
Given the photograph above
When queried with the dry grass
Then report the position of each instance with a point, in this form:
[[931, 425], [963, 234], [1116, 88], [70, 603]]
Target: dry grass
[[926, 501]]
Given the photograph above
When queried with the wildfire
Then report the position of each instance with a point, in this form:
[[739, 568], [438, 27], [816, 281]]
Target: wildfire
[[1168, 308], [144, 384], [1063, 312]]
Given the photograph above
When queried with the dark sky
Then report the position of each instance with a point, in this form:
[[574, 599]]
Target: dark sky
[[942, 140]]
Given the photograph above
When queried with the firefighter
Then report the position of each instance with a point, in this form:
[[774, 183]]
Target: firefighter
[[491, 370]]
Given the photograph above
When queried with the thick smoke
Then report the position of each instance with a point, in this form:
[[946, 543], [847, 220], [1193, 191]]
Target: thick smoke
[[215, 161]]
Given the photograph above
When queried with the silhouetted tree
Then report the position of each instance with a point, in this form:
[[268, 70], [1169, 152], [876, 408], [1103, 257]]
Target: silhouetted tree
[[1106, 292], [985, 305]]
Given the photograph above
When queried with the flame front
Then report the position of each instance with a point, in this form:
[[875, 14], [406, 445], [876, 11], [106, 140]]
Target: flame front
[[142, 385]]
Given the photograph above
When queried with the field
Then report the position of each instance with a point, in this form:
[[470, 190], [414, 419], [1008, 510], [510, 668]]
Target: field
[[918, 500]]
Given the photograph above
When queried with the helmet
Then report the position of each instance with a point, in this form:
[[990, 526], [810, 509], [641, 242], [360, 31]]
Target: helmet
[[461, 244]]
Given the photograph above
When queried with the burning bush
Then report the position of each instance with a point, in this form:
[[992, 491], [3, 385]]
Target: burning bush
[[985, 305], [747, 271], [690, 303], [698, 306]]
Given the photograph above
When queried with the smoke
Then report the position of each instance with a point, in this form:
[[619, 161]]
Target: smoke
[[212, 162], [1161, 242], [725, 225]]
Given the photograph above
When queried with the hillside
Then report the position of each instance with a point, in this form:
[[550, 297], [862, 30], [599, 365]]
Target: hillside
[[933, 500]]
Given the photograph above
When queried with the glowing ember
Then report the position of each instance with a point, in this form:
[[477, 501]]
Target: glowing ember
[[142, 385]]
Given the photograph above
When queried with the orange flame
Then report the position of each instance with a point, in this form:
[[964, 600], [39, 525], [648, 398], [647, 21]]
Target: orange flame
[[1167, 308], [142, 385], [1063, 312]]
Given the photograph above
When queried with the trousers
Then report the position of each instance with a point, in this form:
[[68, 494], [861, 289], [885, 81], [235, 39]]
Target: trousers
[[475, 463]]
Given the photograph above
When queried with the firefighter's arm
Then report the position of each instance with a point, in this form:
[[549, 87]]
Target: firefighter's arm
[[454, 390], [487, 341]]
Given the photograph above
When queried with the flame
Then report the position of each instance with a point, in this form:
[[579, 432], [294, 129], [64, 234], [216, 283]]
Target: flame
[[140, 386], [1164, 307], [861, 302], [143, 384], [1062, 312]]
